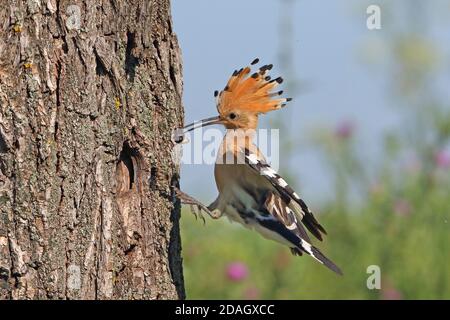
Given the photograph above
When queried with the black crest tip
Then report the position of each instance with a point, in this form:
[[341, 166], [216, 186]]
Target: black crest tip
[[255, 61]]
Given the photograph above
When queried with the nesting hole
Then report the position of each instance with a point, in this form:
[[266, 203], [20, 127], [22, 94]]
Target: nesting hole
[[127, 169]]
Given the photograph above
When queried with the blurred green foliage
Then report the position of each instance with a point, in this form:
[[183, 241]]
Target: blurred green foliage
[[400, 224]]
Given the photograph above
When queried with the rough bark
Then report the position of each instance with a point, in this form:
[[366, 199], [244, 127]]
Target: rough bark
[[86, 115]]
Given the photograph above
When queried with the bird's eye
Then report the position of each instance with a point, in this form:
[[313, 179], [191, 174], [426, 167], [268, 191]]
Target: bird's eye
[[233, 116]]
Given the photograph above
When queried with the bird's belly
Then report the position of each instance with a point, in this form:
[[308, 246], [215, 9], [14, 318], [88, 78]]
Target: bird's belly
[[228, 174], [237, 203], [234, 183], [234, 216]]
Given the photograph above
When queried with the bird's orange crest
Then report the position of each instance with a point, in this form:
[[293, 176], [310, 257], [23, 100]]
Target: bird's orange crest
[[253, 93]]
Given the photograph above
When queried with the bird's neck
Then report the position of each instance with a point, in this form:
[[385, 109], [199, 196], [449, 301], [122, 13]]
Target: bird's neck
[[241, 134], [238, 139]]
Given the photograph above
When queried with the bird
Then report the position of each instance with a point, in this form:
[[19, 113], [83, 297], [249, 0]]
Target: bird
[[251, 192]]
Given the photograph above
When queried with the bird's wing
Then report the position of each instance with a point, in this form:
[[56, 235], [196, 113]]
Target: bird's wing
[[258, 163], [279, 218], [280, 211]]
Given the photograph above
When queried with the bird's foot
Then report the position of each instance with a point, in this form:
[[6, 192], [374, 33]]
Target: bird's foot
[[197, 208]]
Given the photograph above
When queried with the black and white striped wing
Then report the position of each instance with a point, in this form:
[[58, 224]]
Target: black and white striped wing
[[282, 220], [286, 192], [280, 211]]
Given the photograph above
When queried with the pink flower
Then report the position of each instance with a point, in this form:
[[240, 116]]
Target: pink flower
[[251, 293], [389, 292], [344, 130], [236, 271], [402, 207], [442, 159]]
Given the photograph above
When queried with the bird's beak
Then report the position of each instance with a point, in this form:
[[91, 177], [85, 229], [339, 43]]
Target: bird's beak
[[179, 134], [202, 123]]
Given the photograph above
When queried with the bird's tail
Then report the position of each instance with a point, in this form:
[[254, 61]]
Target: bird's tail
[[304, 246]]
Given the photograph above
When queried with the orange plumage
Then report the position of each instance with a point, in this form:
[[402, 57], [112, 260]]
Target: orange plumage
[[251, 92]]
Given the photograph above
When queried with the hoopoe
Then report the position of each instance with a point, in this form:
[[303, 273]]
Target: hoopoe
[[250, 191]]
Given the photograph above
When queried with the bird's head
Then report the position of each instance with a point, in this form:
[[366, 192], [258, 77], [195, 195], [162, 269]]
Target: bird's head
[[244, 98]]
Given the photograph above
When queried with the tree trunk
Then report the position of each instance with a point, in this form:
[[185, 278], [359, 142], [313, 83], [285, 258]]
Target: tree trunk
[[90, 92]]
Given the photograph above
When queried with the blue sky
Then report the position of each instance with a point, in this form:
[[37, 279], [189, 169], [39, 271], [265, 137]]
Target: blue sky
[[217, 37]]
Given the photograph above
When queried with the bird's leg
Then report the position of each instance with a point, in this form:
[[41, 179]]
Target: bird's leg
[[215, 214], [195, 204], [215, 211]]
